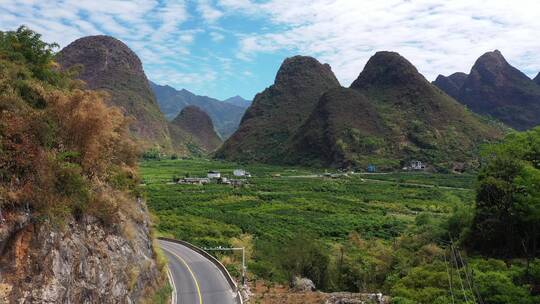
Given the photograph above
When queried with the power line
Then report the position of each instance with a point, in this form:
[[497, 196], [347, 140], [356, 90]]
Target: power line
[[470, 280], [459, 274], [449, 278], [466, 275]]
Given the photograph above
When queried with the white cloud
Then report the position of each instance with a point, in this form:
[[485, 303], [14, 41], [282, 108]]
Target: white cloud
[[208, 11], [437, 36], [216, 37]]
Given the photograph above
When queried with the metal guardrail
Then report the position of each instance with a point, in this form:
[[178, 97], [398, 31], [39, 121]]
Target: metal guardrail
[[212, 259]]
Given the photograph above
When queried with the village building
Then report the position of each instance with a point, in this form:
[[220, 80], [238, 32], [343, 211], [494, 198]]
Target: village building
[[241, 173], [214, 174], [223, 180], [194, 180], [417, 165]]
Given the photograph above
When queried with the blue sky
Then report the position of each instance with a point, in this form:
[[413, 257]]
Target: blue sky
[[223, 48]]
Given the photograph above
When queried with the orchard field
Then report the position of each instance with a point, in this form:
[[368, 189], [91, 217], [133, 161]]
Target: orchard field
[[357, 232]]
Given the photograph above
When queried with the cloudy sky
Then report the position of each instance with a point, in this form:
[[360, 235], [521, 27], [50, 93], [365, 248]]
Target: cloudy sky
[[223, 48]]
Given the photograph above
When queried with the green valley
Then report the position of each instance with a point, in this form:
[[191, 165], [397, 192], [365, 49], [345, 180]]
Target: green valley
[[355, 232]]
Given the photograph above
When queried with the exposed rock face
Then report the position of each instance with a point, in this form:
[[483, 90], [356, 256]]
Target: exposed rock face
[[357, 298], [341, 116], [303, 285], [85, 262], [198, 124], [452, 84], [278, 111], [225, 114], [108, 64], [497, 89]]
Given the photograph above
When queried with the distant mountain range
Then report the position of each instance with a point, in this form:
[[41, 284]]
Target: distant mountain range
[[495, 88], [226, 114], [238, 101], [389, 116]]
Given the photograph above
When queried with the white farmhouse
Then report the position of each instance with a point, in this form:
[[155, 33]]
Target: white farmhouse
[[214, 174], [239, 172], [417, 165]]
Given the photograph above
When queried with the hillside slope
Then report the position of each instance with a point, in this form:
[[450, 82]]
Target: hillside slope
[[73, 229], [279, 110], [108, 64], [495, 88], [225, 116], [537, 79], [394, 116], [341, 116], [197, 125]]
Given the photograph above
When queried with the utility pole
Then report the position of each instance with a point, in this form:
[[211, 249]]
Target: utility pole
[[219, 248]]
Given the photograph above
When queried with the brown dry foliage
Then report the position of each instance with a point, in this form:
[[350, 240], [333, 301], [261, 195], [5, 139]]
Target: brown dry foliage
[[60, 148]]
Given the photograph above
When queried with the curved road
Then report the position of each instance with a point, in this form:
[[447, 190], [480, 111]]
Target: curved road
[[196, 279]]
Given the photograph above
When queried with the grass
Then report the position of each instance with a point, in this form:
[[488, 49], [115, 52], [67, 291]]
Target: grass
[[274, 209], [466, 181]]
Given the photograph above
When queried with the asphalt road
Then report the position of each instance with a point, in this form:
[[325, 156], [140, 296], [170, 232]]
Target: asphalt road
[[196, 279]]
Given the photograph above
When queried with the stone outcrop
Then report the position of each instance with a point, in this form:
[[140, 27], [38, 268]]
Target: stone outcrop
[[83, 261]]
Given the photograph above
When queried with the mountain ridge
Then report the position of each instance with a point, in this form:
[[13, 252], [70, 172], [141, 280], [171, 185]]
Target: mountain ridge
[[279, 110], [497, 89], [451, 84], [238, 101], [388, 117], [197, 123], [110, 65], [225, 116]]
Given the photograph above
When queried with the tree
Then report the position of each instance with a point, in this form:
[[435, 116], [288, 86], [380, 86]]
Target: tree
[[507, 215]]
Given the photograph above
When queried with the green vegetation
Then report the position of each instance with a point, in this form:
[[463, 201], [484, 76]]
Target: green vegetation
[[507, 219], [350, 233], [62, 150]]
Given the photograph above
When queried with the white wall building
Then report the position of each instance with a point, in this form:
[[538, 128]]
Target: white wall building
[[214, 174]]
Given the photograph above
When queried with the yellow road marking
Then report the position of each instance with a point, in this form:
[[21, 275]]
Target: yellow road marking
[[190, 271]]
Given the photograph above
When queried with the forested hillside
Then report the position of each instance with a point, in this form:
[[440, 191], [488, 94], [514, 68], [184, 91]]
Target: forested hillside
[[68, 187]]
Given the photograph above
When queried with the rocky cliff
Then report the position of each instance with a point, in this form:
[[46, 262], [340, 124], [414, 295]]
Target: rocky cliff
[[278, 111], [110, 65], [71, 227], [85, 261]]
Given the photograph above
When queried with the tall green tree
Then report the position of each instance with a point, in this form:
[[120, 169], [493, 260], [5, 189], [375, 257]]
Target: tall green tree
[[507, 216]]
